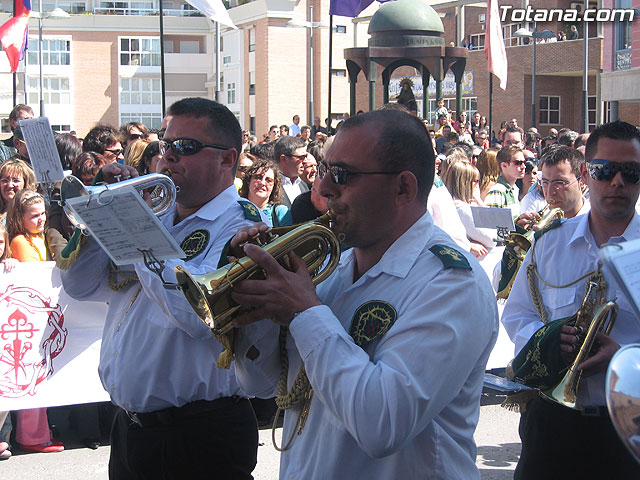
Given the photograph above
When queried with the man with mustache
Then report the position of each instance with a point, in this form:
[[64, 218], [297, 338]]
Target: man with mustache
[[557, 441], [395, 343]]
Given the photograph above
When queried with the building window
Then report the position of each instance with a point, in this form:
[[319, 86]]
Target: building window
[[5, 127], [481, 17], [476, 42], [67, 6], [140, 91], [54, 52], [61, 128], [252, 89], [55, 90], [340, 29], [549, 110], [226, 60], [509, 39], [231, 93], [338, 72], [469, 105], [189, 46], [144, 52], [150, 120], [252, 39]]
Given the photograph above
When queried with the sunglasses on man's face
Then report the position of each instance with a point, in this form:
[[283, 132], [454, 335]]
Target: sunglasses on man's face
[[187, 146], [340, 175], [606, 170], [115, 151]]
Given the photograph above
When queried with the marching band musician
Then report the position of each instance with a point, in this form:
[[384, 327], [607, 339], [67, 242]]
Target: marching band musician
[[395, 342], [179, 415], [558, 441]]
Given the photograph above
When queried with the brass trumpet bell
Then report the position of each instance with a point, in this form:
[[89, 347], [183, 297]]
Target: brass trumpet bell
[[210, 294], [72, 187], [566, 392]]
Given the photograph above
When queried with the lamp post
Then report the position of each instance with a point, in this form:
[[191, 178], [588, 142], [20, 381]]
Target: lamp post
[[535, 35], [310, 25], [56, 13]]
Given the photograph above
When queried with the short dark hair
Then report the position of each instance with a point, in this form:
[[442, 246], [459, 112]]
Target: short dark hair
[[21, 107], [568, 138], [263, 150], [617, 130], [223, 125], [403, 144], [69, 147], [515, 130], [506, 154], [87, 163], [286, 146], [100, 138], [125, 128], [557, 153]]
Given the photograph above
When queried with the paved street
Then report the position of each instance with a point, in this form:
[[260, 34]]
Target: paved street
[[496, 436]]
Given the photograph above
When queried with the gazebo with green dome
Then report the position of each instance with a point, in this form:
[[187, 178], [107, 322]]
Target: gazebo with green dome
[[405, 33]]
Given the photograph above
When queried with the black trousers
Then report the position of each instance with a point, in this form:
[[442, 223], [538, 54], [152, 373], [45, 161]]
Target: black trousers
[[559, 442], [215, 443]]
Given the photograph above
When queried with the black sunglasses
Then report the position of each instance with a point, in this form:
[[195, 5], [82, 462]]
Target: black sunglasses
[[340, 175], [187, 146], [605, 170]]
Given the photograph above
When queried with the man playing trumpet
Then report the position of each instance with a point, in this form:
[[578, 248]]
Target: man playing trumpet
[[557, 441], [394, 343], [179, 415]]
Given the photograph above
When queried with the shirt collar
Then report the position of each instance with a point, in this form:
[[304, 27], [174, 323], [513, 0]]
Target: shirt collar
[[506, 184], [583, 231], [399, 257], [211, 210], [287, 181]]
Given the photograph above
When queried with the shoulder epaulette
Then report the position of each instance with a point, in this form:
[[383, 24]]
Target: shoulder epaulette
[[556, 223], [70, 253], [251, 212], [450, 257]]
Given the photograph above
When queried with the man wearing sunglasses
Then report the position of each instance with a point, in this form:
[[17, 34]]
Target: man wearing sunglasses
[[290, 154], [395, 342], [556, 271], [106, 141], [179, 415]]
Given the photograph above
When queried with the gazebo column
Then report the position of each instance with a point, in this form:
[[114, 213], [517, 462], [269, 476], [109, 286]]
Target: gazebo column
[[372, 76], [425, 93]]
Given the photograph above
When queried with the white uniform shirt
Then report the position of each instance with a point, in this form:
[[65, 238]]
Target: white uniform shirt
[[564, 254], [160, 354], [406, 406], [444, 214]]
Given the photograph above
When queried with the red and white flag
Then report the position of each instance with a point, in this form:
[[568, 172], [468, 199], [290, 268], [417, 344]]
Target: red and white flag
[[14, 33], [494, 44]]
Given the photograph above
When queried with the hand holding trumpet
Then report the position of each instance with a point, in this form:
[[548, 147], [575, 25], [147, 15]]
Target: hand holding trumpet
[[116, 172]]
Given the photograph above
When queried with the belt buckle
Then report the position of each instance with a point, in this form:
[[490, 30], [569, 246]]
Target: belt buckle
[[591, 412]]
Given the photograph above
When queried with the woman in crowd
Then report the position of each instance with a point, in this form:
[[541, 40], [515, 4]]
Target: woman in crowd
[[261, 186], [461, 179], [487, 165], [87, 165], [26, 224], [69, 147], [529, 180], [133, 153], [245, 161], [462, 125], [14, 176]]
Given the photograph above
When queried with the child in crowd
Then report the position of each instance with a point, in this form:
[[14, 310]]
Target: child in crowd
[[5, 422], [25, 224], [442, 110]]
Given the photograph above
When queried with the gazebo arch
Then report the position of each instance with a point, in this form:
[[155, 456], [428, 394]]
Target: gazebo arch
[[405, 33]]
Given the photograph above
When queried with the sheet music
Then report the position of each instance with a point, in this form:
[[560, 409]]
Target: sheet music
[[623, 259], [123, 224], [42, 149], [487, 217]]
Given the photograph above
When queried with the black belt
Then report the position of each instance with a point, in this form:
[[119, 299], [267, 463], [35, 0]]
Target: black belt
[[593, 411], [171, 415]]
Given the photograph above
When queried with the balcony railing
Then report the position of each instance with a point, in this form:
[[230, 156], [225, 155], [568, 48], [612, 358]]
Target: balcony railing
[[147, 11], [623, 59]]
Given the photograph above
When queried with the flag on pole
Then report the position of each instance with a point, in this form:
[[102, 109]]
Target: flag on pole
[[215, 10], [494, 44], [350, 8], [15, 32]]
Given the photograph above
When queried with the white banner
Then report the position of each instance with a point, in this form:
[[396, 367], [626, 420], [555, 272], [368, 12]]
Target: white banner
[[49, 343]]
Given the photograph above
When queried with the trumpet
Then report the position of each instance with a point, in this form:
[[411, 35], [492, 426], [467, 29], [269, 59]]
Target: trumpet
[[566, 392], [161, 201], [210, 294]]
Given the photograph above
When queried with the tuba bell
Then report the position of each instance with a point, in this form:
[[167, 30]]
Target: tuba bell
[[210, 294], [161, 202]]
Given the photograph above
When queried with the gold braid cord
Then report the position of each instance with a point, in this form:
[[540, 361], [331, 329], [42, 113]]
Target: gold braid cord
[[533, 274], [300, 391], [129, 276]]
